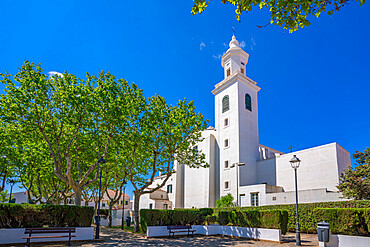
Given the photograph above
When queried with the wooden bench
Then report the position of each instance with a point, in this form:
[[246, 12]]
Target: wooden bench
[[174, 229], [62, 233]]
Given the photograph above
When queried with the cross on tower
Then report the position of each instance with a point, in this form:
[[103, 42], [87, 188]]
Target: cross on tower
[[291, 148], [233, 30]]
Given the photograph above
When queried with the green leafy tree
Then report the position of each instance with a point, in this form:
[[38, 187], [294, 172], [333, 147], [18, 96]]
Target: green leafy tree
[[291, 15], [355, 182], [160, 134], [76, 119], [225, 201]]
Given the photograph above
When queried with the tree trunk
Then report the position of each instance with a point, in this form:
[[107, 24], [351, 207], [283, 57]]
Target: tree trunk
[[136, 212], [78, 194], [110, 214]]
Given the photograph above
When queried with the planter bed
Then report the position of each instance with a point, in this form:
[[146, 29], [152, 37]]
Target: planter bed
[[346, 240], [231, 231], [15, 235]]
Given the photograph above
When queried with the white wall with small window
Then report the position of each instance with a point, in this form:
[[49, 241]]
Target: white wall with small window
[[226, 122], [226, 143], [226, 164], [227, 185], [253, 195]]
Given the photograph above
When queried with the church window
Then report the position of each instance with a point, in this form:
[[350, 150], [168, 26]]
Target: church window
[[226, 143], [227, 185], [254, 199], [226, 164], [161, 196], [150, 205], [228, 72], [226, 122], [274, 198], [242, 63], [242, 70], [169, 188], [248, 102], [225, 103]]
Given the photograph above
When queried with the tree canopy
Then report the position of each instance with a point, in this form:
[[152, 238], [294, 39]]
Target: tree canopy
[[66, 119], [355, 182], [291, 15]]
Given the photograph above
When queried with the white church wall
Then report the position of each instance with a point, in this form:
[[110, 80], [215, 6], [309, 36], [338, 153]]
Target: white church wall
[[304, 196], [344, 159], [230, 153], [196, 184], [266, 171], [246, 191], [248, 132], [318, 169]]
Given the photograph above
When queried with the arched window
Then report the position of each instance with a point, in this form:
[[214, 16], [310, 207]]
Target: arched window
[[225, 103], [248, 102]]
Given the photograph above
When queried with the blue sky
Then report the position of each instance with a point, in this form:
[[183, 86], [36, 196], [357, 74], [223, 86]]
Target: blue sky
[[315, 82]]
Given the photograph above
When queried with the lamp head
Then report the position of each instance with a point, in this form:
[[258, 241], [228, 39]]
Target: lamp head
[[11, 182], [295, 162]]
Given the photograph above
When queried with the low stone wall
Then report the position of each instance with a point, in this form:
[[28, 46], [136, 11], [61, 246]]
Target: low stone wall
[[15, 235], [346, 240], [115, 222], [232, 231]]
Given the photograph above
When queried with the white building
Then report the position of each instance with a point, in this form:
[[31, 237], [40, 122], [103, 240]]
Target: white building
[[265, 176]]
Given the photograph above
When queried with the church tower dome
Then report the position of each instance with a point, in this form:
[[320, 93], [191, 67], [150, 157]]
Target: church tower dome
[[233, 43], [235, 59]]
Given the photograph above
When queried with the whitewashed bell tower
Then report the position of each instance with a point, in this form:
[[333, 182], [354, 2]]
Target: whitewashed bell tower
[[236, 120]]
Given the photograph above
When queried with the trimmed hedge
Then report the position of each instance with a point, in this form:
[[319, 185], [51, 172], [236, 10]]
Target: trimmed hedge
[[307, 220], [104, 212], [271, 219], [349, 221], [31, 215], [161, 217]]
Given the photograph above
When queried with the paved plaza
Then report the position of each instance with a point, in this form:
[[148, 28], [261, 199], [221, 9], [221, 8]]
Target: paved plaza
[[116, 237]]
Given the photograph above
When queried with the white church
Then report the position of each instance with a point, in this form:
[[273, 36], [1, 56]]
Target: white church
[[254, 174]]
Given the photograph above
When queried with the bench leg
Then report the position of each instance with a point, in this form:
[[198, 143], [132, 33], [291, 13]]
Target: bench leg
[[28, 242]]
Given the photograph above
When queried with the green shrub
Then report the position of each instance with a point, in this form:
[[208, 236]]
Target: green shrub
[[307, 221], [104, 212], [211, 219], [65, 215], [275, 219], [349, 221], [272, 219], [159, 217], [30, 215]]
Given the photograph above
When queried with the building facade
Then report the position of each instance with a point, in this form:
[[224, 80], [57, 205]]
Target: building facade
[[253, 173]]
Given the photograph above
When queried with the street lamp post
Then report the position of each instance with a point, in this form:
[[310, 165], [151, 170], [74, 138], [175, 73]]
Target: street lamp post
[[237, 164], [11, 182], [123, 205], [295, 162], [97, 218]]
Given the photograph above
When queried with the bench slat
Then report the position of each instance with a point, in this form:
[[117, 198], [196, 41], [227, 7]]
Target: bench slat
[[49, 237], [49, 230]]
